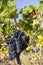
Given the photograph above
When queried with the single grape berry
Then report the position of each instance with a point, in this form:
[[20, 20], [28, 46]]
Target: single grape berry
[[27, 39], [0, 45]]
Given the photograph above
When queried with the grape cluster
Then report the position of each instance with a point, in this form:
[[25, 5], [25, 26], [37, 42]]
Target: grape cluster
[[16, 44]]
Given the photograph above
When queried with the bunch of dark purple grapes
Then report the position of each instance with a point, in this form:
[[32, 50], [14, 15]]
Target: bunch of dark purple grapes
[[16, 44]]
